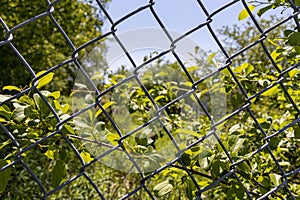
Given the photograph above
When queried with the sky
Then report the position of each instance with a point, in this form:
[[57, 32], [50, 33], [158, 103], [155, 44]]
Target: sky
[[178, 16]]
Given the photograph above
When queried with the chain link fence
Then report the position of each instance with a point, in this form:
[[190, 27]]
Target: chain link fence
[[118, 142]]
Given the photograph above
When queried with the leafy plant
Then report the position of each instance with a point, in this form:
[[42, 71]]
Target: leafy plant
[[230, 160]]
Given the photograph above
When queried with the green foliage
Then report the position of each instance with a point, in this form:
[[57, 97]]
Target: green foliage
[[244, 13], [58, 173], [41, 43], [4, 175], [29, 118], [162, 188], [45, 79], [267, 5], [240, 135]]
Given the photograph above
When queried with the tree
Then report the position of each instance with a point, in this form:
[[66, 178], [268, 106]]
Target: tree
[[238, 37], [41, 43]]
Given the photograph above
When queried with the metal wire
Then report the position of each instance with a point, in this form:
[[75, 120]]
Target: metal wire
[[177, 162]]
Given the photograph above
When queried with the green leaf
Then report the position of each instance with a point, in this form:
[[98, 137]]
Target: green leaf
[[58, 173], [204, 154], [235, 128], [5, 111], [245, 68], [292, 73], [105, 106], [216, 169], [189, 132], [159, 97], [211, 57], [186, 83], [63, 154], [113, 138], [276, 56], [45, 79], [236, 191], [192, 68], [5, 143], [86, 157], [26, 100], [55, 94], [297, 2], [244, 14], [232, 140], [19, 112], [264, 181], [261, 11], [56, 104], [196, 49], [297, 132], [273, 42], [50, 154], [30, 113], [294, 38], [141, 139], [151, 164], [41, 105], [4, 175], [244, 167], [162, 188], [238, 145], [189, 189], [186, 159], [274, 141], [204, 162], [68, 129], [157, 157], [249, 69], [271, 91], [80, 123], [4, 97], [275, 179], [236, 99], [65, 108], [11, 88], [240, 68], [64, 117], [98, 76], [287, 32]]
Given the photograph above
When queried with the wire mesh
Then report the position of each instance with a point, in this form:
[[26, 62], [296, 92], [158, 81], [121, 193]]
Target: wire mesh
[[178, 162]]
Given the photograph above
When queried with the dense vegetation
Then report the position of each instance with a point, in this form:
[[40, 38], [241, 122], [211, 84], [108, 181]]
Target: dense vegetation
[[45, 46], [253, 137]]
